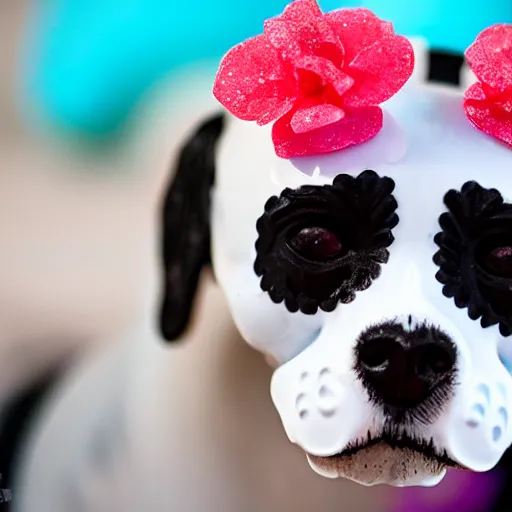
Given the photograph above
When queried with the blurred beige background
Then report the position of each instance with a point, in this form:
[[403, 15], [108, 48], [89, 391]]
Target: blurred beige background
[[76, 226], [72, 244]]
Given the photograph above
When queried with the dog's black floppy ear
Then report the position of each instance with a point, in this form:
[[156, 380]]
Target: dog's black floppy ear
[[186, 226]]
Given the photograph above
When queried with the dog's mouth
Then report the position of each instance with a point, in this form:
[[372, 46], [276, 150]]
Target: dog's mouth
[[387, 459]]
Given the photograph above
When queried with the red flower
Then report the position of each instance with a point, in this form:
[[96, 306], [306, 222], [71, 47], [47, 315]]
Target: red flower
[[320, 76], [488, 103]]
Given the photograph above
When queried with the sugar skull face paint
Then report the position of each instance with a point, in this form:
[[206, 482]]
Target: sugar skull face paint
[[376, 276], [392, 382]]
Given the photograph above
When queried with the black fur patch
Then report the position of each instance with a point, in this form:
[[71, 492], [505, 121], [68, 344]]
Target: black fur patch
[[18, 417], [445, 67]]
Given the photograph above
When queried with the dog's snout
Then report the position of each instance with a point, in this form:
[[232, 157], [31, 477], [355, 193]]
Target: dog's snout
[[403, 369]]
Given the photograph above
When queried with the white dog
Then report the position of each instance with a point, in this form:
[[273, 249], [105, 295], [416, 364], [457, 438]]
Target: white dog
[[374, 278]]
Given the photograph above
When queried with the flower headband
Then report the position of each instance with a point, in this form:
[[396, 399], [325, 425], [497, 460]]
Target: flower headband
[[488, 102], [321, 78]]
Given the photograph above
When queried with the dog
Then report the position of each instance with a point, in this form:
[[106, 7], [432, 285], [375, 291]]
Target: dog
[[382, 306], [385, 309], [191, 427]]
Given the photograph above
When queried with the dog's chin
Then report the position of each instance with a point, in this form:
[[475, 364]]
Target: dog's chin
[[398, 463]]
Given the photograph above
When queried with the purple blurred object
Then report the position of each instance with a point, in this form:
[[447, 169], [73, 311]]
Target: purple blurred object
[[460, 491]]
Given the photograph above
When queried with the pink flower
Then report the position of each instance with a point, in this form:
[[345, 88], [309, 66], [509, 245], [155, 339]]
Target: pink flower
[[320, 77], [488, 102]]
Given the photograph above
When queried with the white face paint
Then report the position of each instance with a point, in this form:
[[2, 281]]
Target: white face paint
[[427, 147]]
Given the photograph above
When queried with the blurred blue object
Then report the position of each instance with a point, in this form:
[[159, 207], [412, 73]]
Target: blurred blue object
[[88, 62]]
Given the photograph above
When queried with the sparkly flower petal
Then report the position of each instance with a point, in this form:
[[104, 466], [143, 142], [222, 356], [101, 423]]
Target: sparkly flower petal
[[475, 92], [312, 118], [490, 58], [380, 71], [486, 115], [357, 29], [488, 103], [301, 30], [355, 128], [302, 11], [252, 84], [328, 73]]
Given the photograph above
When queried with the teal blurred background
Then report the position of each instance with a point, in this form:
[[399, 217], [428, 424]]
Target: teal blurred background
[[87, 63]]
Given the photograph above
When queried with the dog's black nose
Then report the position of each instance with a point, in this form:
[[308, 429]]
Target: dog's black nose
[[403, 368]]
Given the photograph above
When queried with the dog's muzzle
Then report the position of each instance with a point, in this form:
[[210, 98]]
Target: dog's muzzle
[[408, 374]]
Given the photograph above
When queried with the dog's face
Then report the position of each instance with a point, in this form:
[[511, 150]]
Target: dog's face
[[379, 278]]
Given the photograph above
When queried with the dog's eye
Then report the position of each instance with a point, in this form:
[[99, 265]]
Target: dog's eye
[[498, 261], [319, 245], [475, 254], [316, 244]]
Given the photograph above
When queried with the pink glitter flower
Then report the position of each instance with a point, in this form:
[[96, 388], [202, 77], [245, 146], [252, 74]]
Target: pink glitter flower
[[320, 77], [488, 102]]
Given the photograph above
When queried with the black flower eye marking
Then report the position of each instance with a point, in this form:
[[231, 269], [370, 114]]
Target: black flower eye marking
[[318, 245], [475, 254]]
